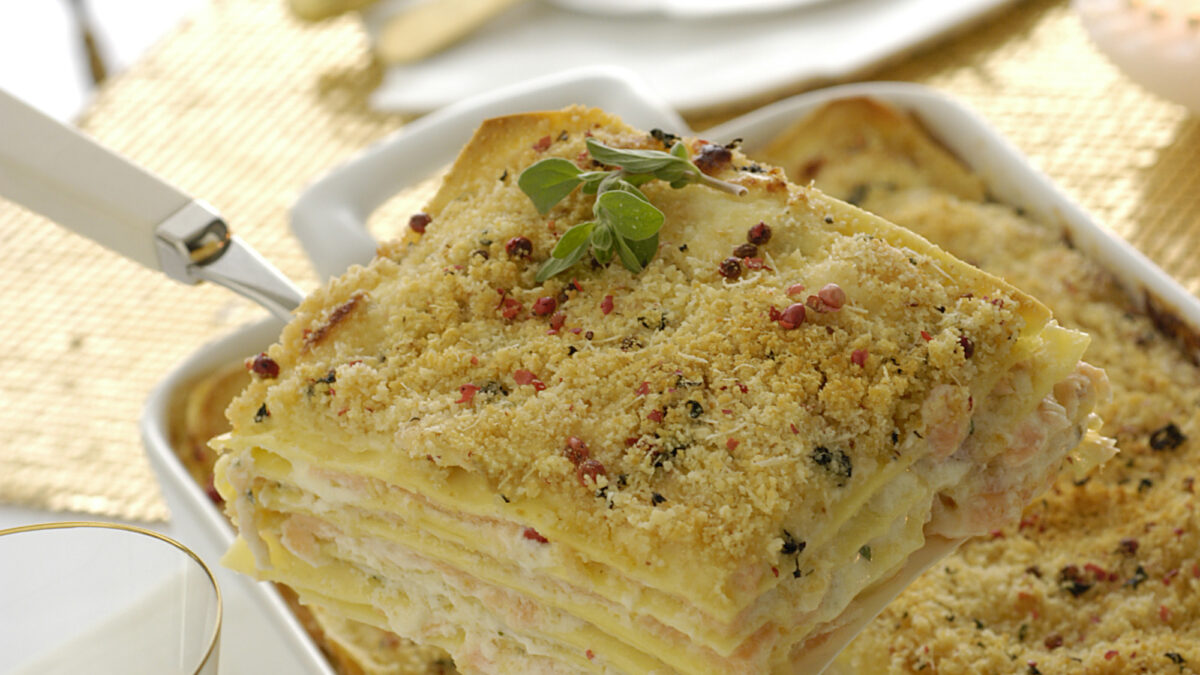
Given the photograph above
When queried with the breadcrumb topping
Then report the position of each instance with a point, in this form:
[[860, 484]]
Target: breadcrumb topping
[[704, 417]]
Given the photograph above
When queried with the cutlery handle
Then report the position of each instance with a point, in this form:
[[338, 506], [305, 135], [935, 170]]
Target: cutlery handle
[[58, 172], [64, 175]]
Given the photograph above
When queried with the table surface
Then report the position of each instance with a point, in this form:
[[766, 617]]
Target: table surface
[[243, 106]]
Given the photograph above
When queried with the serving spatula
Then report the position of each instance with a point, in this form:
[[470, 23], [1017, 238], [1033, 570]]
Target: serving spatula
[[68, 177]]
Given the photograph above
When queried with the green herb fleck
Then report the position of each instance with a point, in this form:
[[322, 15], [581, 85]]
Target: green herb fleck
[[625, 223], [1139, 575], [865, 552]]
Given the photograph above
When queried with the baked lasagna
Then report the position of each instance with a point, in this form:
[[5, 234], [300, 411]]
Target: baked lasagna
[[697, 468]]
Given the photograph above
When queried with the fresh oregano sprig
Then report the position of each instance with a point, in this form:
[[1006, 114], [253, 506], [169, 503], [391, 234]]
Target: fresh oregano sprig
[[625, 223]]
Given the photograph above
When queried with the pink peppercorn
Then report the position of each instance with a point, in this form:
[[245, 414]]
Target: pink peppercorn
[[968, 347], [510, 308], [730, 268], [712, 158], [795, 289], [759, 234], [264, 366], [534, 535], [467, 392], [577, 450], [745, 251], [859, 357], [606, 305], [519, 247], [544, 305], [418, 222], [792, 317], [832, 296], [557, 320], [589, 469]]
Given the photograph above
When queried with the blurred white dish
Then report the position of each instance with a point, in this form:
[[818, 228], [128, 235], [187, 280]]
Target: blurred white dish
[[693, 65]]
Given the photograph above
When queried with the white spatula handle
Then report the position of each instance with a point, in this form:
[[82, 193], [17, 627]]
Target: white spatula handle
[[66, 176], [60, 173]]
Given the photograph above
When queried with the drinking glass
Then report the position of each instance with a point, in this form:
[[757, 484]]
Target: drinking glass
[[104, 598]]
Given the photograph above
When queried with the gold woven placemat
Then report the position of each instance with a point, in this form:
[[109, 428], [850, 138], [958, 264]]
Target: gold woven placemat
[[243, 106]]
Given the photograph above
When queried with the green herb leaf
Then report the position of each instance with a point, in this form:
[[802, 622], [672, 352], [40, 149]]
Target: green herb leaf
[[620, 184], [592, 180], [628, 259], [553, 265], [644, 249], [603, 255], [633, 161], [572, 239], [549, 181], [632, 217], [626, 223], [602, 237]]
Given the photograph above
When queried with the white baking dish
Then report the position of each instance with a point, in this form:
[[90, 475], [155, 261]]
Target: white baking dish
[[330, 219]]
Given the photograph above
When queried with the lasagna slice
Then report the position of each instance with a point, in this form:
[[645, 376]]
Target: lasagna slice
[[663, 472]]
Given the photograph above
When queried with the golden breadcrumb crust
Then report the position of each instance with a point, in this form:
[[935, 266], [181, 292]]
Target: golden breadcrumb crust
[[706, 415], [1102, 577]]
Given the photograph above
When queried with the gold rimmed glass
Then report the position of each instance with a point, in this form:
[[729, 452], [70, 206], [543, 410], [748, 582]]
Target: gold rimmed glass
[[104, 598]]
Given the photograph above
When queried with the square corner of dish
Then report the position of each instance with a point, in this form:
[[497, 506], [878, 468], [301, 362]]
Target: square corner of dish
[[694, 467]]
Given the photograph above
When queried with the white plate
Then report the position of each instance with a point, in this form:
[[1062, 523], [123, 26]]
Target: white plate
[[693, 65], [330, 220]]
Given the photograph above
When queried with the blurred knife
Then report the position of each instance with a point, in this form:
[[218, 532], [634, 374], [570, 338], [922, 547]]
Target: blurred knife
[[73, 180]]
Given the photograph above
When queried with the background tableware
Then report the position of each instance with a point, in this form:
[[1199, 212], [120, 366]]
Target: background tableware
[[1156, 43], [66, 176], [695, 65], [105, 598]]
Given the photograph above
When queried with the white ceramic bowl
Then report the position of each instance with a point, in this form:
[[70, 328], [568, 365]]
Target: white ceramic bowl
[[330, 220]]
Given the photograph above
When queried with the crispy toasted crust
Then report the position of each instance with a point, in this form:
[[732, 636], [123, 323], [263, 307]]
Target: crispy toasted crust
[[386, 383], [859, 148]]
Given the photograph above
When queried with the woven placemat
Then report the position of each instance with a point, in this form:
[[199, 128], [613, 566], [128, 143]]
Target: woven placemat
[[243, 106]]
